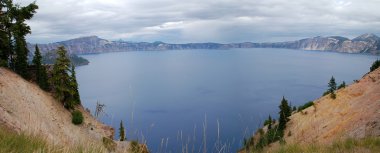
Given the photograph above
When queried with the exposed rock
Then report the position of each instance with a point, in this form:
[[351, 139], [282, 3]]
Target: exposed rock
[[366, 43]]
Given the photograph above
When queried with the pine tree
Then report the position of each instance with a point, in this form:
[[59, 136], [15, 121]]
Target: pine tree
[[375, 65], [21, 58], [270, 122], [19, 30], [343, 85], [13, 29], [6, 19], [332, 87], [3, 38], [122, 131], [3, 48], [44, 79], [74, 85], [41, 76], [285, 112], [61, 80]]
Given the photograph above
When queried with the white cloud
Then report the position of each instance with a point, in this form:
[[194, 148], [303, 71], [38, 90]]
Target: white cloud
[[202, 21]]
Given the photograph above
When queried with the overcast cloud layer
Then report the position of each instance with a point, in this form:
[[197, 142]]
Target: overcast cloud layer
[[223, 21]]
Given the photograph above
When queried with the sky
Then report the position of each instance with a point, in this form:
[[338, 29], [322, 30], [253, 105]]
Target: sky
[[185, 21]]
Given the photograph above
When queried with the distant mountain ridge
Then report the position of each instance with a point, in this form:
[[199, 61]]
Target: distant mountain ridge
[[366, 43]]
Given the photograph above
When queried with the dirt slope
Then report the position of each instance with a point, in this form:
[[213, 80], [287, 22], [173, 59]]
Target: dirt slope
[[24, 107], [355, 113]]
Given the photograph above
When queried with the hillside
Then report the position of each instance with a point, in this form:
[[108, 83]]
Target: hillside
[[355, 113], [25, 108], [366, 43], [354, 116]]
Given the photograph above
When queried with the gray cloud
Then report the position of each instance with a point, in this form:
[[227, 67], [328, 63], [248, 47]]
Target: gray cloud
[[202, 21]]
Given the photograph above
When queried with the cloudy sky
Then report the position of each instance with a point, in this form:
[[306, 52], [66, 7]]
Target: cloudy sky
[[179, 21]]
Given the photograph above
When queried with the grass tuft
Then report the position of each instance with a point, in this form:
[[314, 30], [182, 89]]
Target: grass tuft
[[350, 145], [12, 142]]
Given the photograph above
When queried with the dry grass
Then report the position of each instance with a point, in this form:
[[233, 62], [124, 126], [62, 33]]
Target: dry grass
[[34, 113], [354, 113], [367, 145], [12, 142]]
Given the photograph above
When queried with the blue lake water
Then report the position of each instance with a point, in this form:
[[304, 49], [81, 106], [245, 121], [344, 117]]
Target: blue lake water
[[189, 100]]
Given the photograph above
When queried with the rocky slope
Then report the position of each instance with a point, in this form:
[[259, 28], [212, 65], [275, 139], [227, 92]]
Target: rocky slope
[[366, 43], [355, 113], [24, 107]]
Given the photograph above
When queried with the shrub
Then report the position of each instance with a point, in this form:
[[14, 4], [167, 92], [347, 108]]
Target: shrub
[[326, 93], [308, 104], [289, 133], [109, 144], [343, 85], [248, 143], [135, 147], [77, 117], [267, 122], [375, 65], [294, 108]]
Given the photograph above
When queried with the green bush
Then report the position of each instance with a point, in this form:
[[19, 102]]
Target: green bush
[[375, 65], [343, 85], [109, 144], [77, 117], [308, 104], [135, 147]]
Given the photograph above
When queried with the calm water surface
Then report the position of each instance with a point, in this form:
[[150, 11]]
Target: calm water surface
[[171, 98]]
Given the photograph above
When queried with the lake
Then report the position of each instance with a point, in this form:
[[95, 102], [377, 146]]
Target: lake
[[191, 100]]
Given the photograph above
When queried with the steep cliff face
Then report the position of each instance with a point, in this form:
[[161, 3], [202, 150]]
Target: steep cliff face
[[83, 45], [94, 44], [367, 43]]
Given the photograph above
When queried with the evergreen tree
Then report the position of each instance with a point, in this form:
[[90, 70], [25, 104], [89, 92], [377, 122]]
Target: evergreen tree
[[61, 81], [122, 131], [21, 58], [44, 79], [270, 122], [19, 30], [74, 85], [13, 29], [41, 76], [343, 85], [37, 58], [3, 37], [285, 112], [332, 87], [6, 19], [375, 65]]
